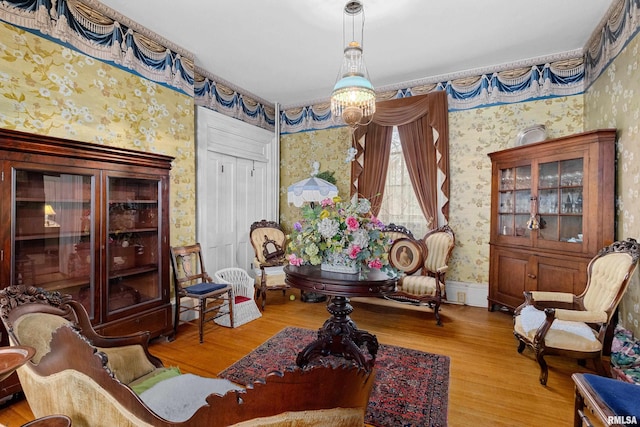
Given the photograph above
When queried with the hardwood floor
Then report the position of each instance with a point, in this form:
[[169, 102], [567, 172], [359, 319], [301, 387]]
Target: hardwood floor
[[490, 383]]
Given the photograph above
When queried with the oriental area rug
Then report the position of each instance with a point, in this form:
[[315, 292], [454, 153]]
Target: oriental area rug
[[411, 386]]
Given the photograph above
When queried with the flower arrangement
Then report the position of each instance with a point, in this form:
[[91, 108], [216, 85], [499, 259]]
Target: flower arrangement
[[335, 229]]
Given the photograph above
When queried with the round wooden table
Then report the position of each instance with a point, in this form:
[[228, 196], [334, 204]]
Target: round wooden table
[[339, 336]]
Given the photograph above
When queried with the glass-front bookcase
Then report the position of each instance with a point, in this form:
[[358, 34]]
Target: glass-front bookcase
[[54, 231]]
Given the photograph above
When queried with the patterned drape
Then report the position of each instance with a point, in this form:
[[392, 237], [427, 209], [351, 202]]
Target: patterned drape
[[424, 134]]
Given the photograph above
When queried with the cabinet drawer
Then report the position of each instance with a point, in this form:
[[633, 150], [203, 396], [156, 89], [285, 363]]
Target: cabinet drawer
[[157, 322]]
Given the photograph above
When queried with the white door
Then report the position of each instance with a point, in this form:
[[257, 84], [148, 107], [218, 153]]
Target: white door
[[220, 225], [237, 185], [235, 198]]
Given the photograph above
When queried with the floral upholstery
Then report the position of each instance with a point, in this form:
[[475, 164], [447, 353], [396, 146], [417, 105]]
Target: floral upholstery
[[625, 356]]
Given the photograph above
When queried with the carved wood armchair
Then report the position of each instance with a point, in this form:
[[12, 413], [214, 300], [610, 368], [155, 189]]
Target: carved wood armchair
[[579, 332], [429, 255], [269, 243]]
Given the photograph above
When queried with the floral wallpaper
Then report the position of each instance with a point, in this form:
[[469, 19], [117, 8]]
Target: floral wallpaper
[[49, 89], [298, 151], [613, 101], [473, 134]]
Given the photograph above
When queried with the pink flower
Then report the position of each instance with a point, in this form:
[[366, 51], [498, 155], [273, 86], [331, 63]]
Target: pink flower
[[354, 251], [326, 202], [376, 263], [294, 260], [352, 223]]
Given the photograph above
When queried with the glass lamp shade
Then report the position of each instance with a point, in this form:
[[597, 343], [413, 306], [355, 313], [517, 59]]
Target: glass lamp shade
[[353, 97]]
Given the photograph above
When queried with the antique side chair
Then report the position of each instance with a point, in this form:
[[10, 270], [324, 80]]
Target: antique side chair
[[269, 243], [191, 281]]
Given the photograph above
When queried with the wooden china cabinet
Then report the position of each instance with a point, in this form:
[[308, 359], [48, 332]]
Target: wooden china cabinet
[[90, 221], [552, 210]]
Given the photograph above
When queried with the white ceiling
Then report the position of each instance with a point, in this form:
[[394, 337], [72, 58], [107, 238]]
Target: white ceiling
[[289, 51]]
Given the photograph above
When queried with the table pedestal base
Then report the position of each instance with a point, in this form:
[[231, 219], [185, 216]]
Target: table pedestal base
[[339, 336]]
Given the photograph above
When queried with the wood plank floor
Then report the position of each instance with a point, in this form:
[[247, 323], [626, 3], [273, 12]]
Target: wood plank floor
[[490, 383]]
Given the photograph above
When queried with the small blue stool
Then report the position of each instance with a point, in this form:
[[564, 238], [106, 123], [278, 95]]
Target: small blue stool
[[614, 402]]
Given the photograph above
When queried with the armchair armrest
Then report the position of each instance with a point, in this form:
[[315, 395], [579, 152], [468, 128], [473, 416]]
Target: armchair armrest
[[442, 269], [531, 297], [552, 296], [581, 316]]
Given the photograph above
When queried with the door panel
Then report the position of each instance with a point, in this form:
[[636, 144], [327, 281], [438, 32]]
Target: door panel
[[220, 212]]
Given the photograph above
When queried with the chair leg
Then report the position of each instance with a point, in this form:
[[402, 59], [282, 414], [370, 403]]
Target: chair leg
[[436, 309], [600, 367], [176, 318], [578, 408], [263, 289], [521, 345], [203, 306], [544, 370], [231, 304]]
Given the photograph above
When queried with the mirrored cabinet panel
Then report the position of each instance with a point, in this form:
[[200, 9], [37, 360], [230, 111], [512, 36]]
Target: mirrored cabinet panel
[[552, 210]]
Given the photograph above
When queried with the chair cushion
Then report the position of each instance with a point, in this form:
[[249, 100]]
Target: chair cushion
[[420, 285], [558, 338], [146, 382], [623, 398], [240, 299], [128, 362], [178, 398], [204, 288]]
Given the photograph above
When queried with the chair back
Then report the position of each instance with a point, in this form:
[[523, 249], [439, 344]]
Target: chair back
[[608, 276], [395, 232], [440, 243], [239, 280], [188, 266], [268, 241]]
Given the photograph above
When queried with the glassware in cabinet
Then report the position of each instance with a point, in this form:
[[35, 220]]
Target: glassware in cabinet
[[134, 238]]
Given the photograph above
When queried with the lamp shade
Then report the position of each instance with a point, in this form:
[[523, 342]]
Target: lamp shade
[[310, 190], [353, 97]]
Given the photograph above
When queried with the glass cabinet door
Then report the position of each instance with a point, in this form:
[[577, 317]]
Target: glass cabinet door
[[515, 201], [560, 201], [52, 232], [133, 242]]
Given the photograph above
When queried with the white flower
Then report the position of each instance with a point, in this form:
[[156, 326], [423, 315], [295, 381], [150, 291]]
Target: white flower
[[364, 206], [328, 228], [361, 238]]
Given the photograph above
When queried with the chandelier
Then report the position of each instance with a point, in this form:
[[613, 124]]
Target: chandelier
[[353, 97]]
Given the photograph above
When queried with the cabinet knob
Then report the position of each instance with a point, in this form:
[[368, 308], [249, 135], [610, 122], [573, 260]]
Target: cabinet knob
[[531, 276]]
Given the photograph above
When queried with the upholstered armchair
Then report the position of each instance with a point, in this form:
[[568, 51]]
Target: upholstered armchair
[[429, 256], [578, 332], [269, 243], [395, 232], [115, 381]]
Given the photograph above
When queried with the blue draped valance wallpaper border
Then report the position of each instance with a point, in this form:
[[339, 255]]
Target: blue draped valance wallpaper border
[[98, 31]]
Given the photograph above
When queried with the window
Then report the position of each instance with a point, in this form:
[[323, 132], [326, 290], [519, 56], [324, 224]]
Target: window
[[399, 203]]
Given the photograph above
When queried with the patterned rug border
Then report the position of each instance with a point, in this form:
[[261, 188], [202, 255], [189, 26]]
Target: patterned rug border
[[417, 382]]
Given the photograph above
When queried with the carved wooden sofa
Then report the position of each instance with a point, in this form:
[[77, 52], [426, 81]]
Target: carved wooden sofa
[[98, 380]]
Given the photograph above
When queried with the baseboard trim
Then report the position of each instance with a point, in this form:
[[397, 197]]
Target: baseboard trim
[[472, 294]]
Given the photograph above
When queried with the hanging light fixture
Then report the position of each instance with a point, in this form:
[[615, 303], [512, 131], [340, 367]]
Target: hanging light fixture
[[353, 97]]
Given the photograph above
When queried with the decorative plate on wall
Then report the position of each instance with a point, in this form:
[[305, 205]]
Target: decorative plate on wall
[[531, 134]]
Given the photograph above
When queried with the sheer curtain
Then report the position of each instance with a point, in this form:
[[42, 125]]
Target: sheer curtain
[[424, 133]]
